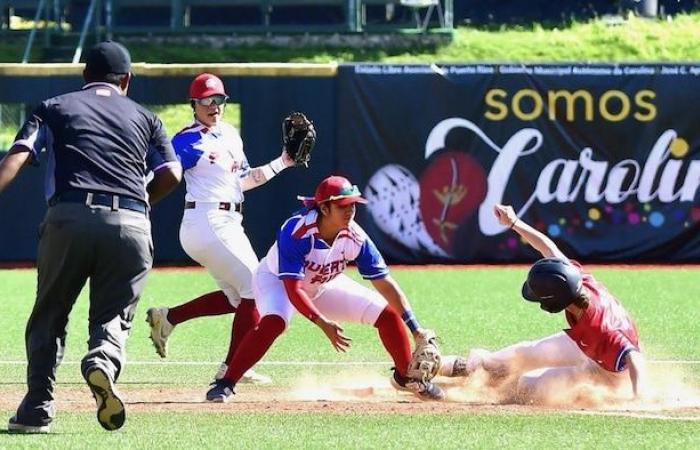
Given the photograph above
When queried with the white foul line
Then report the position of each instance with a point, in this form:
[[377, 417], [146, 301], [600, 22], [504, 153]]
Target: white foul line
[[635, 415], [305, 363], [208, 363]]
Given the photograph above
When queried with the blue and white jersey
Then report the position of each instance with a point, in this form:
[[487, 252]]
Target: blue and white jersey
[[300, 253], [213, 162]]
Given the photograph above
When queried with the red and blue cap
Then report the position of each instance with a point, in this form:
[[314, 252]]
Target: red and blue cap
[[335, 189]]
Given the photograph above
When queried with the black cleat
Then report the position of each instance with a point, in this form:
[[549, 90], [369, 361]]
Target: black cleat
[[221, 391], [424, 390]]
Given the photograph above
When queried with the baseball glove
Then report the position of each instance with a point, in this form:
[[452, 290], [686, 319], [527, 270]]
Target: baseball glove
[[298, 138], [426, 359]]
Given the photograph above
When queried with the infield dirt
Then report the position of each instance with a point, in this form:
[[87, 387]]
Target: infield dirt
[[372, 395]]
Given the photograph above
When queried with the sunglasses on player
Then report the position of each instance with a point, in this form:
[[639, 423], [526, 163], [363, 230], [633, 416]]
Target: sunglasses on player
[[218, 100]]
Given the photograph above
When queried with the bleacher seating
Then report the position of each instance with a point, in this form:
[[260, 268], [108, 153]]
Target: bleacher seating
[[241, 16], [245, 15], [25, 8], [420, 10]]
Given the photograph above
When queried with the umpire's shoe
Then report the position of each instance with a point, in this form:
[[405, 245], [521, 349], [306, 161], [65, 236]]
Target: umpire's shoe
[[161, 328], [424, 390], [221, 391], [15, 426], [110, 408]]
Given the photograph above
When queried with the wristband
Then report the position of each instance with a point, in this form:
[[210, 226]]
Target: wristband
[[272, 168], [267, 171], [513, 224], [410, 320], [277, 165]]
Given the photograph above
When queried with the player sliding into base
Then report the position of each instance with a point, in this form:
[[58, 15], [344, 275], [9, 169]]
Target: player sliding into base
[[303, 271], [600, 348]]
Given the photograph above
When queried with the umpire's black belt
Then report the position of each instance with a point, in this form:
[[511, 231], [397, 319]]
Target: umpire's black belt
[[97, 198], [224, 206]]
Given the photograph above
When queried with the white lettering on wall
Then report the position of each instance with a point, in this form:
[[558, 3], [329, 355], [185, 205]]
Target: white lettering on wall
[[561, 180]]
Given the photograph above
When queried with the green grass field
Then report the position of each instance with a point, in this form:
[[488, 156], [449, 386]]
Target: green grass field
[[602, 40], [469, 307]]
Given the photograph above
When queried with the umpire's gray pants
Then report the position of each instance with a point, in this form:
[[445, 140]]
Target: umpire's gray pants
[[115, 251]]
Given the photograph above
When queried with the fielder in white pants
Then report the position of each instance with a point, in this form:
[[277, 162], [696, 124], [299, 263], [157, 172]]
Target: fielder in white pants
[[217, 174], [303, 271]]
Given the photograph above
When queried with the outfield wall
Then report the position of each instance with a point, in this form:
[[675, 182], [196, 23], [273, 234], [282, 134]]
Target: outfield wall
[[605, 158]]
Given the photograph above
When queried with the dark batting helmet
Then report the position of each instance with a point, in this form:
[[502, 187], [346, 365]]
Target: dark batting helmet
[[553, 283]]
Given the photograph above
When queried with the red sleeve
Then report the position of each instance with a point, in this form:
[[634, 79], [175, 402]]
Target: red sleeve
[[300, 299]]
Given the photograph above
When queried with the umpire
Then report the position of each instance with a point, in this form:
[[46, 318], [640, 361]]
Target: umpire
[[97, 226]]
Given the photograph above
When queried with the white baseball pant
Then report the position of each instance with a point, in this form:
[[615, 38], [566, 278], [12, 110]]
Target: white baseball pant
[[340, 300], [545, 366], [216, 239]]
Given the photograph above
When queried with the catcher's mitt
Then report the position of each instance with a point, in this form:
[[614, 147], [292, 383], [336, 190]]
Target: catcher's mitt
[[426, 359], [298, 138]]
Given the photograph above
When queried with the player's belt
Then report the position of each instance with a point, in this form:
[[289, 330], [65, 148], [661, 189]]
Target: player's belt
[[224, 206], [115, 202]]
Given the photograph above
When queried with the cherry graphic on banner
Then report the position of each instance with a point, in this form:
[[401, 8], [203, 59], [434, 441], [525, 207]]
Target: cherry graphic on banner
[[451, 188], [394, 198]]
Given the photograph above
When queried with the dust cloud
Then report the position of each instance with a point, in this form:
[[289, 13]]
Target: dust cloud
[[672, 388]]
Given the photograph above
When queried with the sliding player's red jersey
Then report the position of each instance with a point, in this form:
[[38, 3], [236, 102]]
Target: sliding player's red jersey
[[605, 332]]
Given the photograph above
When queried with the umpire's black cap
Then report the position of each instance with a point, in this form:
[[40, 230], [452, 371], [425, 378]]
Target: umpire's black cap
[[108, 57], [554, 283]]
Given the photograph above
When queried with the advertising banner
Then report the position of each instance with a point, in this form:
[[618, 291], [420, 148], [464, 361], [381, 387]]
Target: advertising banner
[[603, 158]]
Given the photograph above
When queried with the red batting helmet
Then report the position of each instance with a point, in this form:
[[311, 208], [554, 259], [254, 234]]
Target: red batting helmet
[[205, 85]]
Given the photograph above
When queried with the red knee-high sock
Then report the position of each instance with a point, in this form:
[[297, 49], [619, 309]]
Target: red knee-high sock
[[393, 334], [247, 316], [254, 345], [211, 304]]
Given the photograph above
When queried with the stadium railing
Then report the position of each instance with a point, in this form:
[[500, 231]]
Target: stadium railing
[[422, 11], [241, 16], [181, 13]]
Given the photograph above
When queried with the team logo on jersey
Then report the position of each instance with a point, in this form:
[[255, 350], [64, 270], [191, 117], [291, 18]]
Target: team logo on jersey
[[325, 272]]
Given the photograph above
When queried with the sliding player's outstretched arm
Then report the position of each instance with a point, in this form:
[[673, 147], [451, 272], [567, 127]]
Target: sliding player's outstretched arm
[[538, 240], [636, 362]]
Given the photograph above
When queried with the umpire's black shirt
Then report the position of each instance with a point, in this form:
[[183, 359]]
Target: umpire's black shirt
[[96, 140]]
